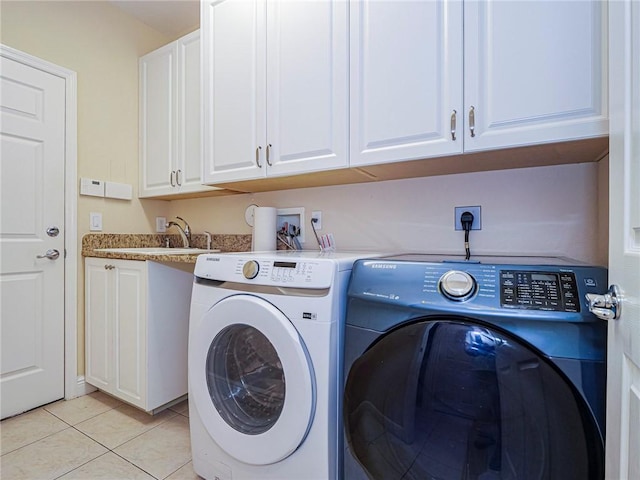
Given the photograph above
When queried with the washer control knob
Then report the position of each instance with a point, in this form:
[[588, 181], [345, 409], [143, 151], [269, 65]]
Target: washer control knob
[[250, 269], [457, 285]]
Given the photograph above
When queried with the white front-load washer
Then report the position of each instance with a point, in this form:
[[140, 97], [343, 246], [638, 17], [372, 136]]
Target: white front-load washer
[[265, 354]]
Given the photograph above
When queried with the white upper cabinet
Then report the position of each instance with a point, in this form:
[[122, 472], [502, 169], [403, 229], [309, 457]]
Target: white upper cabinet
[[406, 80], [535, 72], [157, 121], [275, 88], [170, 132]]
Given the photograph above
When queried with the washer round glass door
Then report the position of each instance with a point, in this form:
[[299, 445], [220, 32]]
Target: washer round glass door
[[442, 398], [252, 380]]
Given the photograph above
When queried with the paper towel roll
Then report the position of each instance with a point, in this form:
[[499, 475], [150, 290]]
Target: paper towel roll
[[264, 229]]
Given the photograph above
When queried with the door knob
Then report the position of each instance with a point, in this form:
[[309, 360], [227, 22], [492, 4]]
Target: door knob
[[53, 231], [51, 254], [607, 306]]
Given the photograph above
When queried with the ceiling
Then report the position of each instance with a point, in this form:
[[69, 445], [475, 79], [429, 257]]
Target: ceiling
[[171, 17]]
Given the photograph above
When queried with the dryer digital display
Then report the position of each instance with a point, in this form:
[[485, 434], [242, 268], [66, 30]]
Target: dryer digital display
[[554, 291]]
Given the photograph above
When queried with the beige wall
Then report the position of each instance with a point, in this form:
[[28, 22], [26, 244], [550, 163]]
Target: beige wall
[[542, 211], [547, 210], [102, 45]]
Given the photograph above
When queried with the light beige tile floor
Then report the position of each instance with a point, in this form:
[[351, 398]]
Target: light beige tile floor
[[96, 437]]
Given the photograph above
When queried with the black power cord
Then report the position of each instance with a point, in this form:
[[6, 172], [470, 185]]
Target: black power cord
[[466, 219]]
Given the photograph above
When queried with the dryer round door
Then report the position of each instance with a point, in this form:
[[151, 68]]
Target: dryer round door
[[252, 380]]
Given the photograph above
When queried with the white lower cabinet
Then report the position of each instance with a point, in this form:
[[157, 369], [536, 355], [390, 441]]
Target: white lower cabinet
[[136, 329]]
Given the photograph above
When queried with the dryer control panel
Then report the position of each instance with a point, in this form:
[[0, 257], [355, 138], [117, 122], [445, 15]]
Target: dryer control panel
[[555, 291]]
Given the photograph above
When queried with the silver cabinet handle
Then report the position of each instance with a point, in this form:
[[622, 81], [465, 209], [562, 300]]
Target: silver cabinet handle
[[173, 183], [178, 181], [51, 254], [258, 156], [268, 153], [53, 231], [109, 267], [453, 125], [472, 121]]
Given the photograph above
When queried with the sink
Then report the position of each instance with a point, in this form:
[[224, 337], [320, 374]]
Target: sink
[[158, 250]]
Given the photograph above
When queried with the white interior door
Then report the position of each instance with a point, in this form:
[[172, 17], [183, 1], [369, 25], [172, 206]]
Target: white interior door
[[623, 388], [32, 162]]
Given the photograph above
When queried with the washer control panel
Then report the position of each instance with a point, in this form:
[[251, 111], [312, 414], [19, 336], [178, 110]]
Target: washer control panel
[[555, 291], [299, 273]]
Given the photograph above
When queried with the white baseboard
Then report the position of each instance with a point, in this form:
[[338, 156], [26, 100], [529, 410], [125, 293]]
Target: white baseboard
[[83, 388]]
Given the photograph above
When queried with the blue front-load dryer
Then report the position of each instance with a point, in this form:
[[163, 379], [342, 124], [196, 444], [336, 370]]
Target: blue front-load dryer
[[488, 369]]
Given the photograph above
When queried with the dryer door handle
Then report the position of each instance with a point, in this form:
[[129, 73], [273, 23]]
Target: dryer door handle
[[607, 306]]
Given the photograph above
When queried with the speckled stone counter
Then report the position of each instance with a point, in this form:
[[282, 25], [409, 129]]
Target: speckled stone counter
[[222, 242]]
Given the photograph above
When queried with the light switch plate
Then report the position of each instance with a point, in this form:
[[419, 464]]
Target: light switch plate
[[161, 224], [95, 222]]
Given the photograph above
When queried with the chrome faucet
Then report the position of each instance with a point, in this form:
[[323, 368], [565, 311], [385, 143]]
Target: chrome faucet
[[185, 233]]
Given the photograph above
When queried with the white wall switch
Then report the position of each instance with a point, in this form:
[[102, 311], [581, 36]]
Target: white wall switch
[[121, 191], [94, 188], [95, 222], [161, 224]]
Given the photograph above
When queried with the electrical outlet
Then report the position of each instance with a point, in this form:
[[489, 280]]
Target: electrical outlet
[[477, 217], [161, 224], [317, 215]]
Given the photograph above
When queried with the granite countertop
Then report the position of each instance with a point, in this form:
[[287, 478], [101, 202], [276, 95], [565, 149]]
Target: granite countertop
[[222, 242]]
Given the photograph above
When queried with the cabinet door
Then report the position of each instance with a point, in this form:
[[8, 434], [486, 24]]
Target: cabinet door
[[188, 164], [98, 324], [307, 86], [406, 80], [129, 331], [233, 95], [157, 121], [189, 159], [534, 72]]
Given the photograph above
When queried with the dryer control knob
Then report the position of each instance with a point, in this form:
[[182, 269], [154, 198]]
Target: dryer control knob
[[457, 285], [250, 269]]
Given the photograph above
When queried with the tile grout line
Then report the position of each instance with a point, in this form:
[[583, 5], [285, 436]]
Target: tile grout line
[[176, 414]]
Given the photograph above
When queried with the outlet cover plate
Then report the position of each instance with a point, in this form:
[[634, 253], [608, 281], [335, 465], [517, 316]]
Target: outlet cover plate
[[293, 216], [477, 217]]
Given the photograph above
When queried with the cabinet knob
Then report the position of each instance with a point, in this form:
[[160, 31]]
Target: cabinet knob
[[472, 121], [258, 156], [171, 178], [109, 267], [178, 181]]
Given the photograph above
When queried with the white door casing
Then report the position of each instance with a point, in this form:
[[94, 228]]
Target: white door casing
[[623, 374], [293, 424], [38, 166]]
